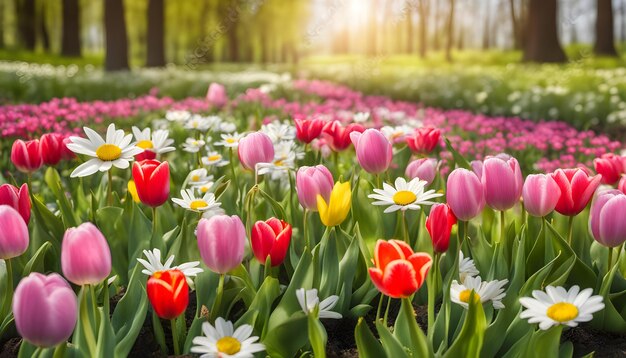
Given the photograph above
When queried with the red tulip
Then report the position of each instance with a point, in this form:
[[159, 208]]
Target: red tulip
[[439, 225], [152, 180], [339, 137], [18, 199], [577, 189], [308, 129], [51, 148], [424, 140], [26, 156], [610, 166], [168, 292], [271, 238], [398, 272]]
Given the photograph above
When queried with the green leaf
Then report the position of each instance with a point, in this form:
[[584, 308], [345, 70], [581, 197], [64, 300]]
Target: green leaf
[[36, 263], [409, 333], [53, 180], [459, 160], [317, 334], [391, 345], [106, 337], [130, 314], [276, 207], [367, 345], [288, 337], [470, 341], [258, 312]]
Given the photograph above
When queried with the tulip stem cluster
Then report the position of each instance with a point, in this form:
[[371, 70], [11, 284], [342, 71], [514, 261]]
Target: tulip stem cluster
[[570, 230], [110, 189], [175, 336], [432, 292], [502, 226], [6, 305], [218, 299], [86, 322]]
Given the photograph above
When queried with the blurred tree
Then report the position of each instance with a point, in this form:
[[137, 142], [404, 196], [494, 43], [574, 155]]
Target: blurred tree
[[450, 32], [25, 15], [487, 26], [517, 43], [373, 28], [542, 42], [605, 38], [423, 12], [436, 14], [70, 33], [409, 31], [116, 57], [41, 26], [156, 32], [2, 24]]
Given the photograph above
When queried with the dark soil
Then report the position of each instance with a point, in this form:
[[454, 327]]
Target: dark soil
[[587, 340]]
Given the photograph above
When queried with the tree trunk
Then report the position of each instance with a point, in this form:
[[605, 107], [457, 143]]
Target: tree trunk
[[542, 43], [423, 9], [25, 15], [487, 27], [409, 31], [450, 37], [116, 39], [515, 26], [70, 36], [1, 24], [623, 21], [436, 25], [605, 38], [373, 27], [156, 34], [42, 28]]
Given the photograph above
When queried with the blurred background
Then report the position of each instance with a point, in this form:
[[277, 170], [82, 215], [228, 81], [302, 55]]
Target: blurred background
[[489, 56]]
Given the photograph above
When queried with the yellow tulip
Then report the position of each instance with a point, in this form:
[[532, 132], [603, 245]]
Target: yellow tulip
[[132, 189], [336, 210]]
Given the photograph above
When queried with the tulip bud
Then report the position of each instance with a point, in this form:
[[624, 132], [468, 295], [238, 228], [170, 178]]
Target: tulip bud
[[26, 156], [222, 241], [308, 129], [51, 148], [152, 182], [502, 182], [465, 194], [335, 211], [45, 309], [338, 137], [610, 167], [311, 182], [540, 193], [373, 150], [271, 238], [424, 140], [606, 222], [577, 189], [216, 95], [255, 148], [424, 168], [85, 255], [17, 199], [439, 225], [168, 292], [14, 233]]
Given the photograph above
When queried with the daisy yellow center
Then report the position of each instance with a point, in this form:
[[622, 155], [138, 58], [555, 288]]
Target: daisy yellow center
[[404, 197], [215, 157], [204, 189], [197, 204], [230, 140], [195, 142], [145, 144], [562, 312], [228, 345], [279, 163], [464, 296], [108, 152], [195, 178]]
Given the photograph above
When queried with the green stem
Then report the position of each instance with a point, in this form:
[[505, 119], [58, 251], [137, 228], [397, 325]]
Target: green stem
[[307, 244], [250, 208], [86, 323], [465, 232], [609, 262], [380, 306], [387, 311], [175, 337], [94, 306], [110, 188], [233, 173], [6, 307], [502, 226], [154, 221], [218, 299], [199, 155], [378, 184], [570, 230], [405, 228], [432, 293]]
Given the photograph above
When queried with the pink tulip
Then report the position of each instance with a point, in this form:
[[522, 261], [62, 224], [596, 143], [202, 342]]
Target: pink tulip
[[610, 166], [373, 150], [13, 233], [424, 168], [606, 220], [622, 184], [26, 156], [502, 182], [477, 168], [216, 95], [464, 194], [222, 241], [311, 182], [16, 198], [45, 309], [540, 193], [255, 148], [85, 255]]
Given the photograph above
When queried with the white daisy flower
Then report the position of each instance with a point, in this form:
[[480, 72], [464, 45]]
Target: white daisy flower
[[361, 117], [282, 163], [227, 127], [177, 116], [278, 131], [199, 205], [285, 148], [308, 299], [397, 134], [557, 306], [229, 140], [199, 177], [483, 290], [467, 268], [215, 212], [153, 264], [404, 196], [116, 151], [204, 188], [214, 158], [193, 145], [224, 341], [199, 122], [157, 142]]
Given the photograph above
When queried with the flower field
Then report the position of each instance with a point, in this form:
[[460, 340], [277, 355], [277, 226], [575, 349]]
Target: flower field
[[294, 218]]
